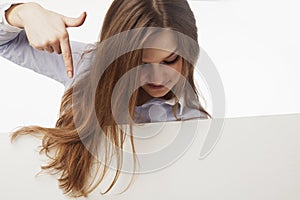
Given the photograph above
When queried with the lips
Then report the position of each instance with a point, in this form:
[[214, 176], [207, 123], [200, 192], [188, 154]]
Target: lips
[[154, 86]]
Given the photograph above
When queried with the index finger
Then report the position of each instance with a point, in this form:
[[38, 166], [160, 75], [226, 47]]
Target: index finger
[[67, 55]]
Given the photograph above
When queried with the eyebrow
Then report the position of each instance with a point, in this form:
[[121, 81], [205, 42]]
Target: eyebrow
[[173, 52]]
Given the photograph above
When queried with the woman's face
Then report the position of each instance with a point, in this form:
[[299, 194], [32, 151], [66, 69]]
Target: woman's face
[[161, 69]]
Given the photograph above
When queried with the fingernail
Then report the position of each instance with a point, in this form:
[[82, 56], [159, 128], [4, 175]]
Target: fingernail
[[69, 73]]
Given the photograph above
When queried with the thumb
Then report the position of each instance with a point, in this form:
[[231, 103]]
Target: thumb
[[75, 22]]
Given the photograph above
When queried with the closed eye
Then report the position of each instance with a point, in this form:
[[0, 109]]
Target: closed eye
[[172, 61]]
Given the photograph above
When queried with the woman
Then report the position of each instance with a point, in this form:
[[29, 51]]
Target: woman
[[140, 70]]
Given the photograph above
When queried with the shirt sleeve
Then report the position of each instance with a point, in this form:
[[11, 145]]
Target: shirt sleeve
[[15, 47], [10, 31]]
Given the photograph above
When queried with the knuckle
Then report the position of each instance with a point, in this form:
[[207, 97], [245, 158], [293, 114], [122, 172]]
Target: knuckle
[[64, 35], [36, 46], [52, 41], [58, 51], [43, 44]]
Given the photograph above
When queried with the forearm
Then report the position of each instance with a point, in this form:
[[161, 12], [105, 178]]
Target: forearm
[[12, 15], [46, 30], [18, 15], [28, 28], [15, 47]]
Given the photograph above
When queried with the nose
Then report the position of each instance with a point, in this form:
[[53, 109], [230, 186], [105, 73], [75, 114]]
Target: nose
[[156, 74]]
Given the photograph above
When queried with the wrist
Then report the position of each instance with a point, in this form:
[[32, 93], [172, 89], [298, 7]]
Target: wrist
[[11, 15], [18, 13]]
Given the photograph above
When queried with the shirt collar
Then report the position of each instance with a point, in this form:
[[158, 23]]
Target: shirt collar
[[180, 102], [171, 102]]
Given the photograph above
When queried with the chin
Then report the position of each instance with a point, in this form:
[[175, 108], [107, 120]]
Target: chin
[[158, 94]]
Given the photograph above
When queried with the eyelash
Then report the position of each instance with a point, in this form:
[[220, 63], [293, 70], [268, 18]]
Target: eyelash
[[170, 62], [173, 61]]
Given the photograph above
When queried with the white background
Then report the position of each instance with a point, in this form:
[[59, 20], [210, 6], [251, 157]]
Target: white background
[[254, 45]]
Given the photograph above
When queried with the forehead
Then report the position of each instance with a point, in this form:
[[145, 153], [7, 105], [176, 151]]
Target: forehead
[[155, 55], [159, 45]]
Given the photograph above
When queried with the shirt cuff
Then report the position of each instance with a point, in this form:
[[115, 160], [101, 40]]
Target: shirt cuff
[[3, 22]]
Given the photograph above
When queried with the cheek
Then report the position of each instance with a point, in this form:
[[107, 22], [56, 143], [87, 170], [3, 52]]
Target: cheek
[[143, 77], [177, 69], [178, 66]]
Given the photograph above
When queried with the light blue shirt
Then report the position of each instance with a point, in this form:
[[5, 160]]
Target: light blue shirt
[[15, 47]]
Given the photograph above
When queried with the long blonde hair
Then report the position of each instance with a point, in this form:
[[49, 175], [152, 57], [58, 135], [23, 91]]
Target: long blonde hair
[[77, 133]]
